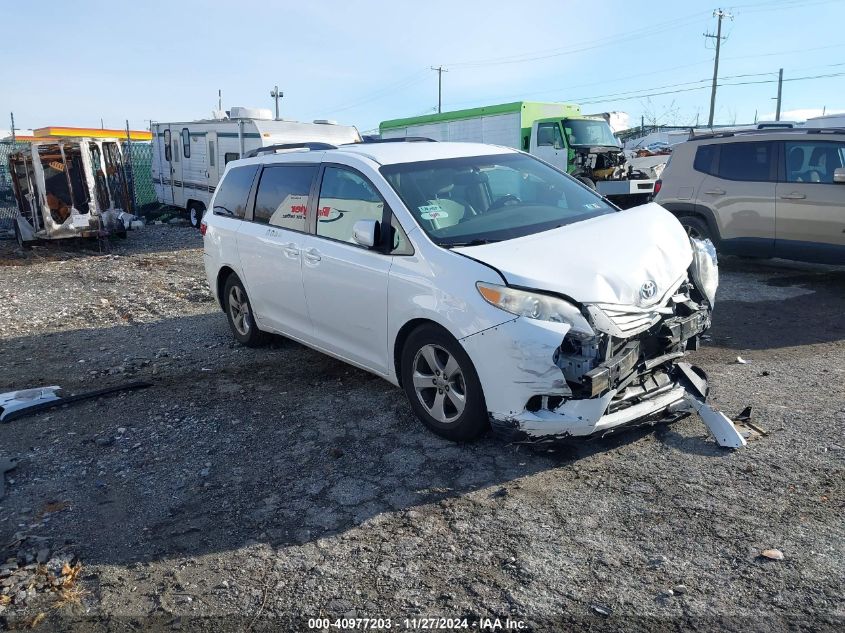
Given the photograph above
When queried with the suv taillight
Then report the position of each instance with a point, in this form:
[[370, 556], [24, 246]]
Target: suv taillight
[[657, 185], [203, 227]]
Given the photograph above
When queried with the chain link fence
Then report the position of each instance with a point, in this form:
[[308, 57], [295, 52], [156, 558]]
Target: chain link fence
[[138, 156]]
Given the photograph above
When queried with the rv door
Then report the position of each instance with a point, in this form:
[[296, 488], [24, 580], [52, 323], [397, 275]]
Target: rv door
[[214, 166], [180, 153]]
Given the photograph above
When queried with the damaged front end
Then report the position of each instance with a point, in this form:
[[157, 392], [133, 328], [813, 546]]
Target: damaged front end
[[621, 364]]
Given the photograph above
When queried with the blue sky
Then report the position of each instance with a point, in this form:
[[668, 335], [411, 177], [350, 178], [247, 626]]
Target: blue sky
[[361, 62]]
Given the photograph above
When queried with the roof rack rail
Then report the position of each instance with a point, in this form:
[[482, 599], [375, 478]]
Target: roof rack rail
[[282, 146], [369, 138], [768, 130]]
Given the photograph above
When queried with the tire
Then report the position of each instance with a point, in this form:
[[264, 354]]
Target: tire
[[696, 227], [453, 406], [195, 213], [587, 182], [239, 313]]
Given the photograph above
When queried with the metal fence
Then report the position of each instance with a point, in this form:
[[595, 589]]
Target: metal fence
[[138, 156]]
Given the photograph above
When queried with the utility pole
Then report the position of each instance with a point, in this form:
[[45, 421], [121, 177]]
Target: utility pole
[[780, 91], [440, 70], [13, 127], [277, 95], [720, 14]]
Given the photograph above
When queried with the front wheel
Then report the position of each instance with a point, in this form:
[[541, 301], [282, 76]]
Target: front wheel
[[442, 386], [239, 313]]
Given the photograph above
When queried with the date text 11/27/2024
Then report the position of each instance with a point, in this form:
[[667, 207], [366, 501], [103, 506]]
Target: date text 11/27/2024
[[416, 624]]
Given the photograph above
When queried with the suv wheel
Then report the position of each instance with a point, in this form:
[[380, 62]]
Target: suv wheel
[[239, 313], [442, 385], [696, 227]]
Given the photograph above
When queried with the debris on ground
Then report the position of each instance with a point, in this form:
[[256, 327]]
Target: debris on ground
[[6, 465], [772, 554]]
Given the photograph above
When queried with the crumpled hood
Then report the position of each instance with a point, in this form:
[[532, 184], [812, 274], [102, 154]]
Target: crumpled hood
[[602, 260]]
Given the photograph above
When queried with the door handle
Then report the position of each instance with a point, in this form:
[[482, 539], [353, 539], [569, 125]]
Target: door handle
[[793, 196], [292, 250], [715, 192], [311, 256]]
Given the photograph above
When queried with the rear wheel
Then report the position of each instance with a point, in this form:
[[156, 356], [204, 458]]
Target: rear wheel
[[442, 386], [239, 313], [695, 227]]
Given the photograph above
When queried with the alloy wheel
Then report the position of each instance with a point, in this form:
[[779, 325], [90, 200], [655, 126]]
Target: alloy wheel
[[239, 310], [439, 383]]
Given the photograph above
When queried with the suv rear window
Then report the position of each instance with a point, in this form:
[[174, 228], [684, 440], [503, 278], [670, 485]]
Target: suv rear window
[[232, 193], [747, 161]]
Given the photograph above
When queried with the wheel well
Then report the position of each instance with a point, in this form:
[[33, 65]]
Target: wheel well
[[222, 277], [695, 211], [194, 203], [401, 337]]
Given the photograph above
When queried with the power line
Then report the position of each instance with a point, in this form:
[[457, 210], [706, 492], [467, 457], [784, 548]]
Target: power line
[[383, 92]]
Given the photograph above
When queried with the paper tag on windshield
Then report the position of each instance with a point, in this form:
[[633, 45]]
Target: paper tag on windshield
[[432, 212]]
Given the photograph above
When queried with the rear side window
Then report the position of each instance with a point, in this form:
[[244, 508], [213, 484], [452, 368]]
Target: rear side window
[[705, 159], [282, 197], [345, 198], [747, 161], [228, 156], [232, 193]]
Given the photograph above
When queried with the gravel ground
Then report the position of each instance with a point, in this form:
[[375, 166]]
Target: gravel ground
[[254, 489]]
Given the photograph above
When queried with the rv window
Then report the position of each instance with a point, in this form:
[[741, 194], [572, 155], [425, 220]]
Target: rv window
[[283, 196], [211, 156], [230, 199], [175, 151], [167, 155], [186, 142], [229, 156]]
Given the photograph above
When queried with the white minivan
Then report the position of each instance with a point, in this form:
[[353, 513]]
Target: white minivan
[[493, 288]]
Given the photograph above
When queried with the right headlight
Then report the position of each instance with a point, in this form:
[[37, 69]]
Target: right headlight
[[705, 268], [534, 305]]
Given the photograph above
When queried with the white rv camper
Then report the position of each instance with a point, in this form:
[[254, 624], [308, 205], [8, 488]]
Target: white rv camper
[[190, 157]]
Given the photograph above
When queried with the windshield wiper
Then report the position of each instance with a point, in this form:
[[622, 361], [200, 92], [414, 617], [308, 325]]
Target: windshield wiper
[[477, 242]]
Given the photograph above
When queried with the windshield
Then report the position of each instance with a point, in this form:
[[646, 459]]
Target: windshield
[[481, 199], [589, 132]]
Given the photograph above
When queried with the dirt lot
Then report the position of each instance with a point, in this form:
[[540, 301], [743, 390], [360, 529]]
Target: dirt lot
[[254, 489]]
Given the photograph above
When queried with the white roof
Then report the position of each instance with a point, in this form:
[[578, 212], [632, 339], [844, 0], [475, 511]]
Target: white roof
[[391, 153]]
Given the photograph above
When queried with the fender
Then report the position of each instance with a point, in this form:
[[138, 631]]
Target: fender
[[689, 208]]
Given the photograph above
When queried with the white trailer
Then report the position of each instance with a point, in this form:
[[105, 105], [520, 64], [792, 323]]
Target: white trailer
[[190, 157]]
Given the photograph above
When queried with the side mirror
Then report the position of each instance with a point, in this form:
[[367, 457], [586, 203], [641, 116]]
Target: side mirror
[[839, 175], [366, 233]]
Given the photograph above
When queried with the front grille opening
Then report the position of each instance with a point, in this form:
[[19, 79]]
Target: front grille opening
[[538, 402]]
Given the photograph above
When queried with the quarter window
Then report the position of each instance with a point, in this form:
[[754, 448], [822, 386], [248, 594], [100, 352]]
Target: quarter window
[[813, 161], [549, 134], [746, 161], [186, 142], [345, 198], [705, 159], [282, 197], [230, 156], [167, 155], [230, 199]]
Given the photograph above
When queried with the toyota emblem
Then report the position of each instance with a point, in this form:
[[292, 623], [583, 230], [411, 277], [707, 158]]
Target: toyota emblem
[[648, 290]]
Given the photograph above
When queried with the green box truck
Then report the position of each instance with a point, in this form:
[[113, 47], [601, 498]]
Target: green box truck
[[557, 133]]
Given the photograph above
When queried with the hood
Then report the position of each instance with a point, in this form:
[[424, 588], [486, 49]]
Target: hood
[[606, 259]]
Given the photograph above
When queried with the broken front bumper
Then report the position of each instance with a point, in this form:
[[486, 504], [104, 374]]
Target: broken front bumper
[[530, 399]]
